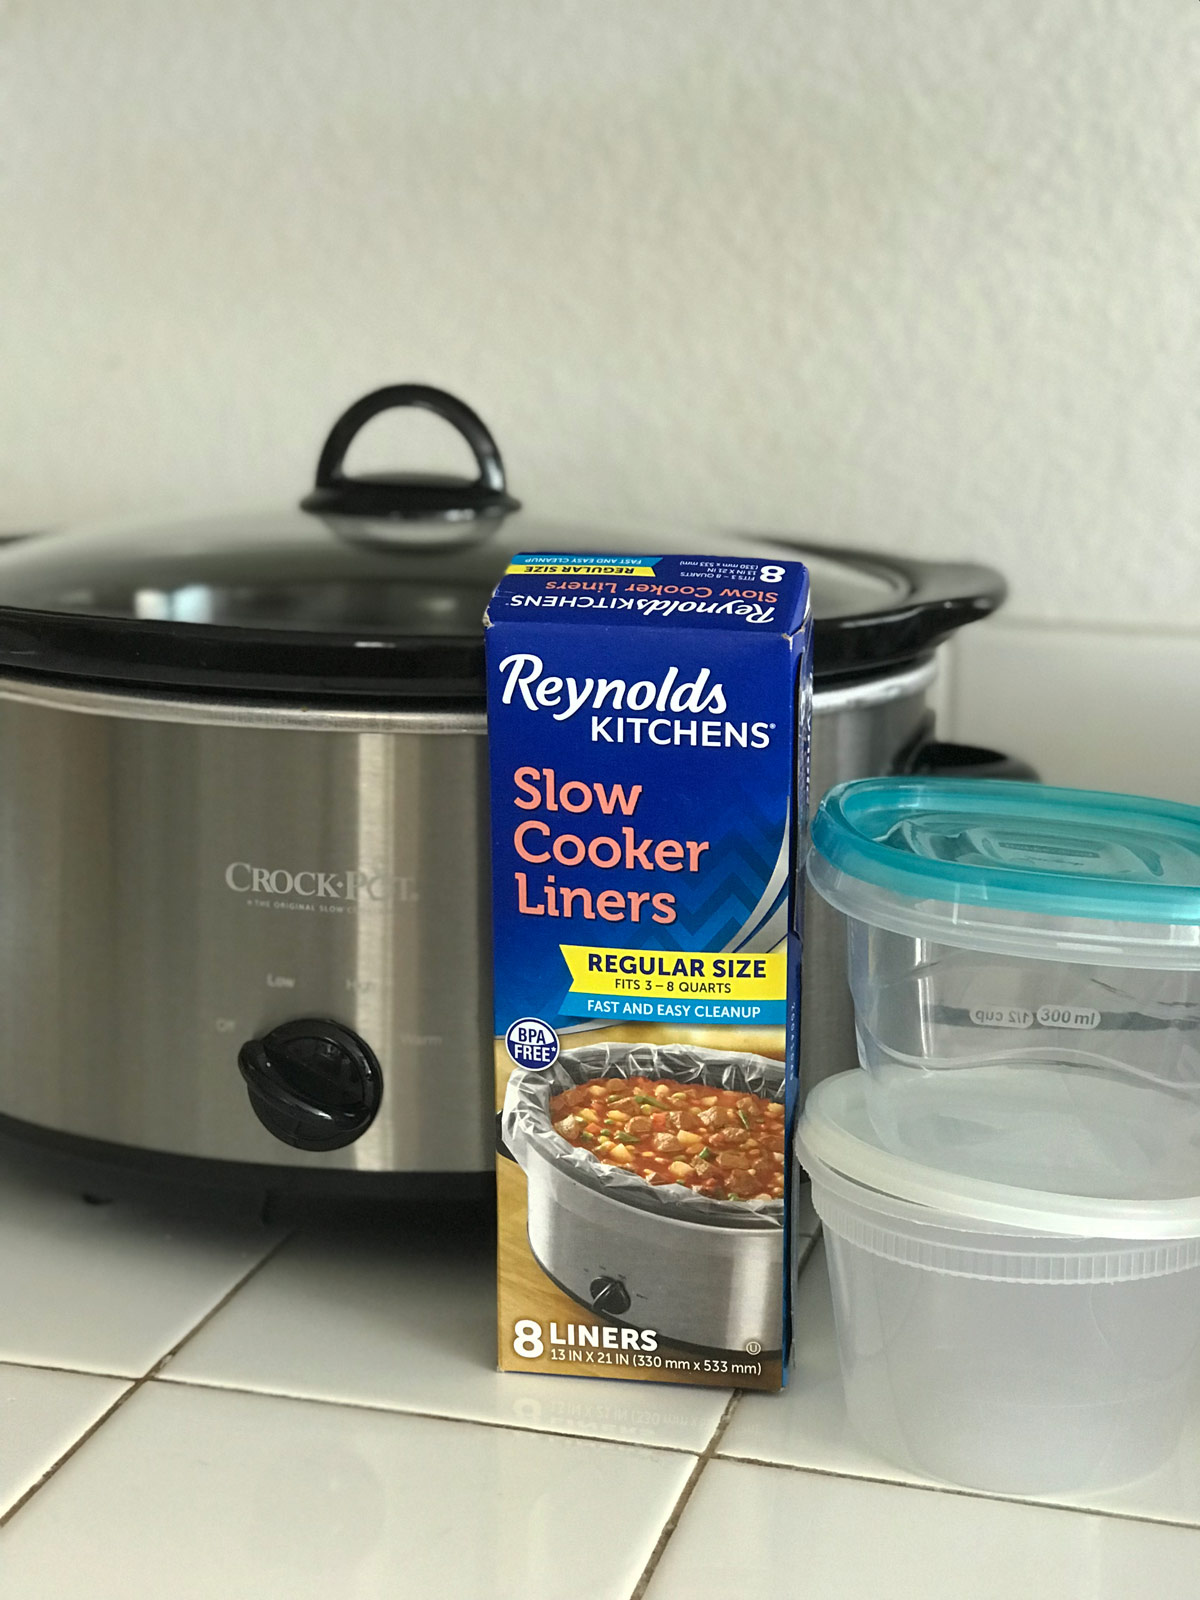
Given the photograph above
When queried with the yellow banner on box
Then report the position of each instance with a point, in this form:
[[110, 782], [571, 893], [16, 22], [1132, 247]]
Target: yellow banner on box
[[578, 570], [727, 974]]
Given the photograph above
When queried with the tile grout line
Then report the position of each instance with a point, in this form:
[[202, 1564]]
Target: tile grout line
[[709, 1453], [957, 1493], [24, 1365], [377, 1408], [685, 1494], [136, 1384]]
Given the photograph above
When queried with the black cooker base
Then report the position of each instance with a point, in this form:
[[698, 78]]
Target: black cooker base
[[101, 1171]]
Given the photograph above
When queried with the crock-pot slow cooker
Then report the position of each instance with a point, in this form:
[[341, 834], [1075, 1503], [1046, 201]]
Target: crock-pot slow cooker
[[243, 859]]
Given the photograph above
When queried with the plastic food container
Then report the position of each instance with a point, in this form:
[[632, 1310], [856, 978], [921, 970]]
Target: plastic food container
[[1048, 940], [999, 1338]]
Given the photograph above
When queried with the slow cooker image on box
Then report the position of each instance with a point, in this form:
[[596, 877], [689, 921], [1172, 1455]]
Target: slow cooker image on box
[[702, 1272], [243, 821]]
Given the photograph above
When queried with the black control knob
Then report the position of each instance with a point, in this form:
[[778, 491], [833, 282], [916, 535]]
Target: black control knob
[[609, 1296], [312, 1083]]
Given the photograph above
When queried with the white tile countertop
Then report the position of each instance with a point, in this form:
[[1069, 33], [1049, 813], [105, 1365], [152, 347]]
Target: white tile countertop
[[198, 1406]]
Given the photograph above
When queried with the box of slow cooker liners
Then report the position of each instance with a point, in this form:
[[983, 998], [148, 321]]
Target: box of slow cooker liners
[[648, 721]]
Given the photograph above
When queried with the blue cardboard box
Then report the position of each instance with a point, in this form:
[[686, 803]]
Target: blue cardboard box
[[648, 722]]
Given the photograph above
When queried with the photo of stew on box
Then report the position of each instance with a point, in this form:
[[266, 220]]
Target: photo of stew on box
[[726, 1145], [648, 733]]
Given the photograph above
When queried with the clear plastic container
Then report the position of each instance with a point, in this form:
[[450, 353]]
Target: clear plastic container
[[1028, 934], [1001, 1354]]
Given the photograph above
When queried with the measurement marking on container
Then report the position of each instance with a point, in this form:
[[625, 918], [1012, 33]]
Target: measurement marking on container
[[1068, 1017], [1001, 1017]]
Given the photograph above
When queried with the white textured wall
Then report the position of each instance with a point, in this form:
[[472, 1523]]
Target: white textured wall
[[912, 272]]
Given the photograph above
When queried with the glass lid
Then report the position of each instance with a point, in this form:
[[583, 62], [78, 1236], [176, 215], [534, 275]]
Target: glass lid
[[376, 586]]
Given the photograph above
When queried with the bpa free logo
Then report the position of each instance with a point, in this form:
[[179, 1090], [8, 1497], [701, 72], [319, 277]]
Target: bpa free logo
[[532, 1043]]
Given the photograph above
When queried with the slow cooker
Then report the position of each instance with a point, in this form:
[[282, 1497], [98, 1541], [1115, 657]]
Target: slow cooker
[[243, 860], [704, 1273]]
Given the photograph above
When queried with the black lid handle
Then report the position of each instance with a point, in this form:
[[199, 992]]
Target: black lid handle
[[416, 496], [922, 603], [458, 414]]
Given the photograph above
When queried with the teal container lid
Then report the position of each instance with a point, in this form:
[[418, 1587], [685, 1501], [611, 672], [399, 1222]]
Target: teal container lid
[[1004, 855]]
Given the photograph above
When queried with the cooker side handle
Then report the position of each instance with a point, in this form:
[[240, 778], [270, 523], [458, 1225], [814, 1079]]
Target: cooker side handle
[[939, 758]]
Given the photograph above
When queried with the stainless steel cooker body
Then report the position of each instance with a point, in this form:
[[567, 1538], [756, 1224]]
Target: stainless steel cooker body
[[693, 1283], [177, 879], [859, 730]]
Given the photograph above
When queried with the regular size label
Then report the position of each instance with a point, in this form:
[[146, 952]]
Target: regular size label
[[1068, 1017], [676, 986]]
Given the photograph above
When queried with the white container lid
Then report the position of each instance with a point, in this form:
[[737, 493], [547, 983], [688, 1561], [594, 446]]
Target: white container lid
[[836, 1132]]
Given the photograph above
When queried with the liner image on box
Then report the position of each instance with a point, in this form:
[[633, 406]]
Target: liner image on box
[[648, 732]]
